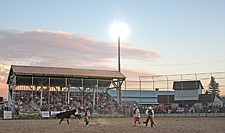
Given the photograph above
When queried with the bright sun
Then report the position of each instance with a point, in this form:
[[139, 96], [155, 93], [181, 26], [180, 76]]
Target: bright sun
[[119, 30]]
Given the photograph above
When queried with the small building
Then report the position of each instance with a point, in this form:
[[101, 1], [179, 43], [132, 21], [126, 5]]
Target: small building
[[210, 100], [187, 92]]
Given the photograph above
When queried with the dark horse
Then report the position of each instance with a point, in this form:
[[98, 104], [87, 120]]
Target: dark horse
[[68, 114]]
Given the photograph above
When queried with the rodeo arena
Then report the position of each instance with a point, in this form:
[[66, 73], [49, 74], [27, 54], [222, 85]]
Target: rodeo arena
[[36, 92]]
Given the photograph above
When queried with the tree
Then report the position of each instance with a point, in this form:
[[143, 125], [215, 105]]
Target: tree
[[213, 87]]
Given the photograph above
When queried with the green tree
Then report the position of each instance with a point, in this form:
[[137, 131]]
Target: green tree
[[213, 87]]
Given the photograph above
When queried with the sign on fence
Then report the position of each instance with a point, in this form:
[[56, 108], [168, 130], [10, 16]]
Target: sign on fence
[[7, 115], [45, 114]]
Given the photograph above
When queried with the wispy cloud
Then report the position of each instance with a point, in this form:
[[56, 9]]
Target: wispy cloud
[[48, 47], [62, 49]]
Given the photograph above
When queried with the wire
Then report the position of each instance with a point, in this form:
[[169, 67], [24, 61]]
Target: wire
[[182, 64]]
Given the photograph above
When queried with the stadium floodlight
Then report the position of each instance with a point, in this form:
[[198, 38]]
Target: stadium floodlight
[[119, 31]]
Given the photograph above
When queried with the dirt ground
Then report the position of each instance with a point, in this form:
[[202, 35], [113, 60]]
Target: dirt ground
[[115, 125]]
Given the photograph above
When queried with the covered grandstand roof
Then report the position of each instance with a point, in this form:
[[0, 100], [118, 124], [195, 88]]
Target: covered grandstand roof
[[63, 72]]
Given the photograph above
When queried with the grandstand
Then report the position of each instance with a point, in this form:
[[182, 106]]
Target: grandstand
[[51, 88]]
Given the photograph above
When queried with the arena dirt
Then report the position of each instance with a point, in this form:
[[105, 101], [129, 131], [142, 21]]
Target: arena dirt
[[115, 125]]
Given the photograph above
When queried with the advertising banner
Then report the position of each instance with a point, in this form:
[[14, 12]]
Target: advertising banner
[[7, 115], [45, 114]]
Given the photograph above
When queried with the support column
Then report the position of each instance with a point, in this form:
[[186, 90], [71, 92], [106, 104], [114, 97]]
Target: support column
[[119, 92], [97, 96], [68, 92], [82, 92], [41, 96], [32, 84], [93, 98]]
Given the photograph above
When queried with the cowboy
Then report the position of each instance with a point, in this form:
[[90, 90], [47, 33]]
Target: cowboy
[[136, 115], [150, 115], [87, 116]]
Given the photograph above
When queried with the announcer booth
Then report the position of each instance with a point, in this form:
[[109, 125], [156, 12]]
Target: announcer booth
[[52, 88]]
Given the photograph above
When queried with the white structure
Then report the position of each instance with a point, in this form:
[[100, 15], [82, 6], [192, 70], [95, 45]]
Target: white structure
[[187, 90]]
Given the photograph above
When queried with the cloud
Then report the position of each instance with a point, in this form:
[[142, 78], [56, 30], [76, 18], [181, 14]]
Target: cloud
[[139, 54], [49, 46], [62, 49]]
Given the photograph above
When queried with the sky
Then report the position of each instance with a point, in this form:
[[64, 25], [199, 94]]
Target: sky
[[166, 36]]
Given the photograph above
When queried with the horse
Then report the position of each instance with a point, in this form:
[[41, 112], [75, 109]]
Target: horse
[[67, 115]]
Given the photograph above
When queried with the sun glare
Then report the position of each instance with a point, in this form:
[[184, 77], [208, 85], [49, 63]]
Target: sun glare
[[119, 30]]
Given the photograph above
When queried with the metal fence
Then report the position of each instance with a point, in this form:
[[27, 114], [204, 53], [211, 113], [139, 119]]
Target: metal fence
[[156, 83], [165, 82]]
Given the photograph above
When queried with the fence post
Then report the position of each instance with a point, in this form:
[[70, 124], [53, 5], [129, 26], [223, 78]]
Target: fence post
[[182, 86], [140, 87], [167, 86]]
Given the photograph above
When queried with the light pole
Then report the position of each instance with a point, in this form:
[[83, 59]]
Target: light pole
[[119, 53], [119, 30], [118, 83]]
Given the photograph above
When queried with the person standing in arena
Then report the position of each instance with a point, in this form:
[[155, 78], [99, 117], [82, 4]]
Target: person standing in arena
[[87, 116], [150, 115], [136, 115], [39, 113]]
